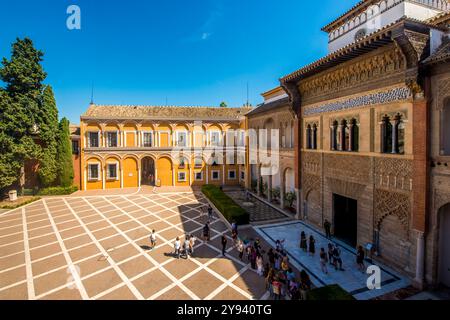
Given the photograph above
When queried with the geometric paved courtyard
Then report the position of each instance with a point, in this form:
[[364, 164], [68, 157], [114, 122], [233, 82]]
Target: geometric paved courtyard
[[96, 247]]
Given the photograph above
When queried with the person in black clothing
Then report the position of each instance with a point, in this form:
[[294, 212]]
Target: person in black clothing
[[360, 259], [327, 227], [337, 258], [224, 245], [303, 242], [206, 232], [271, 256], [210, 213], [312, 245]]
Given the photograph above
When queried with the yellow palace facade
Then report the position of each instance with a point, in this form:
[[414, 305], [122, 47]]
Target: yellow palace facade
[[135, 146]]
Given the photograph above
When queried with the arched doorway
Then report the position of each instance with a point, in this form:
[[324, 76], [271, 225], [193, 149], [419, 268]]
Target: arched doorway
[[148, 171], [444, 246]]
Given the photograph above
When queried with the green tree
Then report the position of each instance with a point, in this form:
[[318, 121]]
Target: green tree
[[19, 103], [223, 104], [47, 122], [64, 155]]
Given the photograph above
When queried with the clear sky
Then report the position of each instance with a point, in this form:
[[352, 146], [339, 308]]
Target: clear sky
[[147, 52]]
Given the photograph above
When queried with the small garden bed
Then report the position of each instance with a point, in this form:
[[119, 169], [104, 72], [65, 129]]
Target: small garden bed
[[53, 191], [229, 209], [21, 201], [329, 293]]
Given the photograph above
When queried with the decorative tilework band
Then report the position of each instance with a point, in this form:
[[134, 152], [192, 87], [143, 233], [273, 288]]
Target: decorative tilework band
[[397, 94]]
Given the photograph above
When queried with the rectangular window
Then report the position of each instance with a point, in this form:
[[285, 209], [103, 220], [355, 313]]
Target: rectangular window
[[111, 139], [215, 139], [112, 171], [75, 147], [148, 140], [182, 176], [198, 162], [199, 176], [93, 172], [232, 174], [182, 139], [93, 138], [215, 175]]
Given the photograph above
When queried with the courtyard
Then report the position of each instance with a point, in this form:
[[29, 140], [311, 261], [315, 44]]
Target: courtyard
[[96, 246]]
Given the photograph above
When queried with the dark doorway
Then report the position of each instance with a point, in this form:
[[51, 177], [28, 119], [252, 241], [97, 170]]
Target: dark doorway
[[148, 172], [345, 219]]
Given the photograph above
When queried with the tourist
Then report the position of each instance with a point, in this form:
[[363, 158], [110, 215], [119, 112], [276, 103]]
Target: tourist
[[277, 261], [294, 290], [241, 249], [234, 227], [257, 244], [206, 232], [271, 257], [276, 289], [303, 242], [323, 261], [331, 254], [312, 246], [248, 250], [234, 236], [337, 258], [305, 284], [327, 227], [153, 240], [285, 264], [260, 265], [224, 244], [186, 247], [253, 256], [210, 213], [290, 275], [192, 240], [360, 259], [177, 247], [269, 281], [266, 269]]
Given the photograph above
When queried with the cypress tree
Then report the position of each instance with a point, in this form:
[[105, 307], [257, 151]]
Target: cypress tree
[[64, 156], [47, 121], [19, 103]]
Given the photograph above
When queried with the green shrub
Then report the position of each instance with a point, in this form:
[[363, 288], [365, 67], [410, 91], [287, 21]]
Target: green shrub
[[327, 293], [11, 207], [57, 191], [230, 210]]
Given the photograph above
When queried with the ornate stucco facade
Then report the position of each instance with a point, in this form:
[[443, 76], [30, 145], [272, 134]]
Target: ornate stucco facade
[[363, 140]]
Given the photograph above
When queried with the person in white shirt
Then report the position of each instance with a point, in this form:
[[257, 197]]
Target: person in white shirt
[[177, 247], [192, 240], [152, 240]]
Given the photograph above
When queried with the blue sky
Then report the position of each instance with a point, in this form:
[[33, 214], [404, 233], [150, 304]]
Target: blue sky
[[197, 52]]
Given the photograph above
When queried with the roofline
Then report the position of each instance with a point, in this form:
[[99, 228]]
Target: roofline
[[272, 91], [89, 118], [370, 42]]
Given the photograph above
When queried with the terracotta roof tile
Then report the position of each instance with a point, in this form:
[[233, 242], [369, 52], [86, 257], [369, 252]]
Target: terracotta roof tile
[[164, 112]]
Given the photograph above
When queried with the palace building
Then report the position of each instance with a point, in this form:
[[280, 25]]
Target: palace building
[[134, 146], [372, 131]]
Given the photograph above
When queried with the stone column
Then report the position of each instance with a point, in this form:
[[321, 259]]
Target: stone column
[[350, 137], [269, 188], [342, 137], [282, 192], [103, 177], [394, 136], [333, 138], [420, 260], [298, 215]]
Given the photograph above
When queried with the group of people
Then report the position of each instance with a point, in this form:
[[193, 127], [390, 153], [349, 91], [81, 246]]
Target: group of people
[[186, 248]]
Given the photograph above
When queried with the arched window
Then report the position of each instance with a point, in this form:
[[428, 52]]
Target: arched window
[[333, 136], [314, 137], [308, 137], [354, 136], [386, 135], [445, 128]]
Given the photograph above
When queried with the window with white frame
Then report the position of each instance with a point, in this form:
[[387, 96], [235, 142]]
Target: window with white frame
[[199, 176], [241, 138], [93, 171], [182, 139], [112, 171], [198, 162], [148, 139], [181, 176], [111, 139], [232, 174], [215, 175], [93, 139], [214, 139]]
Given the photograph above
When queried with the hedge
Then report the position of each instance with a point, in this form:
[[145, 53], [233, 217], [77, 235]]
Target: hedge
[[57, 191], [229, 209], [11, 207], [328, 293]]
